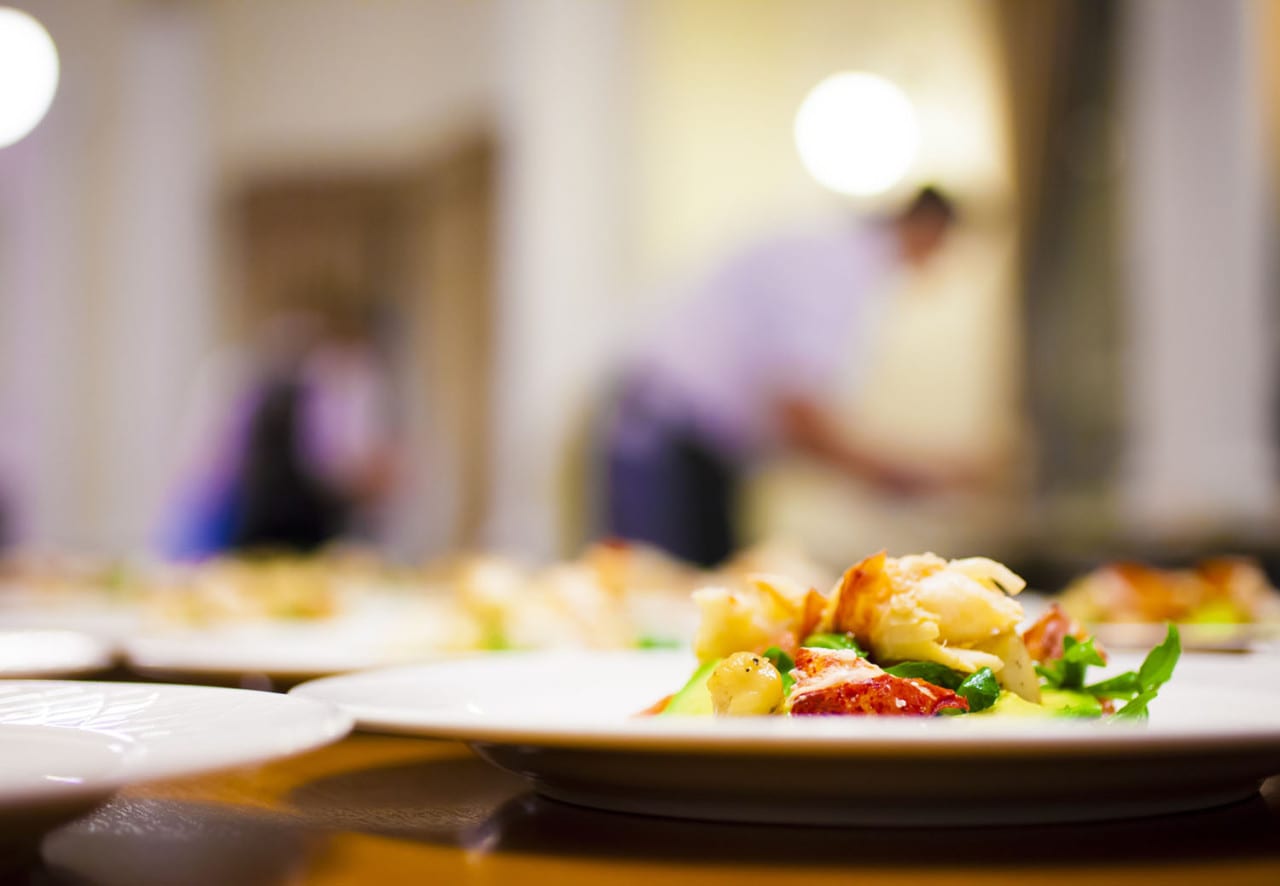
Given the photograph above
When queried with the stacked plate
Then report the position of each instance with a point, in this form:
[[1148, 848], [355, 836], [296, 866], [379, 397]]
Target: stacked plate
[[67, 746]]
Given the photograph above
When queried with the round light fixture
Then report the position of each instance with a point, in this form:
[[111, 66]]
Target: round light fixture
[[28, 74], [857, 134]]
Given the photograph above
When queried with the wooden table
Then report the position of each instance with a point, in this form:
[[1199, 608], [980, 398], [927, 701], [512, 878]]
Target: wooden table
[[375, 809]]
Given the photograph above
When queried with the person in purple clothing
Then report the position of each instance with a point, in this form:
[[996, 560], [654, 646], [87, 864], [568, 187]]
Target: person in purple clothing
[[294, 448], [743, 367]]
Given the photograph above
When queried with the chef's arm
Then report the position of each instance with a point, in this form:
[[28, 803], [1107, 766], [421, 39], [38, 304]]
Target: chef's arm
[[810, 429]]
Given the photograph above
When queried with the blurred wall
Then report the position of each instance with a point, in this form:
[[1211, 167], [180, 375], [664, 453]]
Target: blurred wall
[[114, 276], [106, 236], [338, 84]]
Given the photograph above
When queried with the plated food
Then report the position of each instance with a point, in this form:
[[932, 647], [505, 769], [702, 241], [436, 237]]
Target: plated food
[[614, 596], [289, 617], [345, 607], [907, 636], [566, 720], [1219, 590], [940, 709]]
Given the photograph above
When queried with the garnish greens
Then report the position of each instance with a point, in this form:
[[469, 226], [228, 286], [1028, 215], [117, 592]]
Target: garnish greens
[[979, 689], [833, 641], [1068, 672], [1137, 688], [1154, 672]]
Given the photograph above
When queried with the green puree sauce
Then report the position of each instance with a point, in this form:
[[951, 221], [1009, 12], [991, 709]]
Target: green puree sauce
[[1053, 703]]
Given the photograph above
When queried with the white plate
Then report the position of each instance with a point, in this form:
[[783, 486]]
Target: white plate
[[1200, 637], [69, 745], [281, 650], [84, 613], [566, 721], [274, 651], [52, 654]]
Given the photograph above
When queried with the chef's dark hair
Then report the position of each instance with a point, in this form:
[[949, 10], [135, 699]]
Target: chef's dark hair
[[930, 202]]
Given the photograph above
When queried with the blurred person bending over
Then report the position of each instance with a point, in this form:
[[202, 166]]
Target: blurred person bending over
[[742, 369], [293, 446]]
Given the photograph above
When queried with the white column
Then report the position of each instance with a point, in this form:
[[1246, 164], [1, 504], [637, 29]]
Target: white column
[[159, 233], [105, 290], [1199, 383], [39, 340], [562, 105], [47, 281]]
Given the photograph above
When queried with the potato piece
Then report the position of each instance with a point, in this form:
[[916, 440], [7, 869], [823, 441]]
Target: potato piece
[[745, 684], [731, 620], [1019, 672]]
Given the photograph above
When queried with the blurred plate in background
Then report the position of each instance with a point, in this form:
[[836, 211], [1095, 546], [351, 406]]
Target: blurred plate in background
[[279, 650], [87, 613], [52, 654], [1198, 637]]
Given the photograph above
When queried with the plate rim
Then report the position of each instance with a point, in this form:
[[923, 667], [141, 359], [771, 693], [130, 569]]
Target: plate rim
[[330, 723], [831, 737]]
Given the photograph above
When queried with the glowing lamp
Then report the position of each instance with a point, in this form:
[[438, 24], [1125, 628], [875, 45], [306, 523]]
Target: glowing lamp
[[857, 134], [28, 74]]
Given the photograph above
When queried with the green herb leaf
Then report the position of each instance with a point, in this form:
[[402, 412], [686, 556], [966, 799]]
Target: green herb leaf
[[784, 663], [1081, 652], [1142, 685], [979, 689], [833, 641], [1155, 671], [1158, 666], [1136, 709], [928, 671], [1068, 671], [1124, 685]]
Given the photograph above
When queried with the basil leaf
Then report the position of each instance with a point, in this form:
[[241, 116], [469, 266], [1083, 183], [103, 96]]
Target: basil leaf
[[833, 641], [980, 689], [784, 663], [928, 671]]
